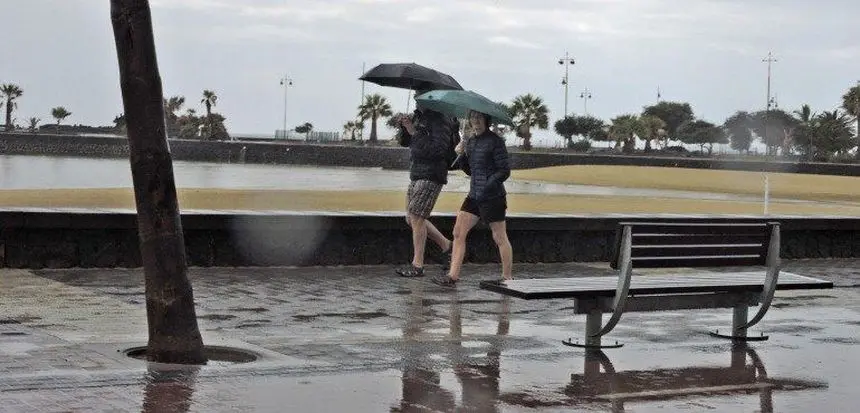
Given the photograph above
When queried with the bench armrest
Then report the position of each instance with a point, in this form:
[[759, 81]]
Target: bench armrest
[[774, 265], [623, 288]]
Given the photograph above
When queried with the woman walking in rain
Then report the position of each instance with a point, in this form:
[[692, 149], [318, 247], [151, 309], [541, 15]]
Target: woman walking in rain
[[484, 158]]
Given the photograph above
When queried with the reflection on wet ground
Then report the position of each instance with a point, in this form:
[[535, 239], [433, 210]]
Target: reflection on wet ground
[[359, 339], [476, 365], [169, 390], [600, 382]]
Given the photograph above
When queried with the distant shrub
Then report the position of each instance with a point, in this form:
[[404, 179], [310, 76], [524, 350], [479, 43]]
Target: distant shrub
[[580, 145]]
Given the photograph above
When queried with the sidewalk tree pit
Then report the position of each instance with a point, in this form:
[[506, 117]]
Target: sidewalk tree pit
[[212, 353]]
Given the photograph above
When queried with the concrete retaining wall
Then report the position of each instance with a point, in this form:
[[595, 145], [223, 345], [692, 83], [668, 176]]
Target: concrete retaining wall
[[63, 240]]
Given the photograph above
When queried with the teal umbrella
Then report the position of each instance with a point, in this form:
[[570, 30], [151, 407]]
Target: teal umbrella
[[458, 103]]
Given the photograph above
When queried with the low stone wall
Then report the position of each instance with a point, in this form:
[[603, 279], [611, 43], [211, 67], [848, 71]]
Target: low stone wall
[[63, 240], [384, 156]]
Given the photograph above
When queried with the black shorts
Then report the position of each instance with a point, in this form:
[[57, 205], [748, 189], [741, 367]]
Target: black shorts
[[491, 210]]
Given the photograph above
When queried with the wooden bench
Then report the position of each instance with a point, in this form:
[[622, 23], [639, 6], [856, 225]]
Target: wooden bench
[[675, 245]]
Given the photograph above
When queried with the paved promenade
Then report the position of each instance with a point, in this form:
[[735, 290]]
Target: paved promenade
[[359, 339]]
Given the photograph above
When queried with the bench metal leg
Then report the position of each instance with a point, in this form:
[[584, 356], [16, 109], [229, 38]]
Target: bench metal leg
[[739, 320], [739, 329], [593, 322]]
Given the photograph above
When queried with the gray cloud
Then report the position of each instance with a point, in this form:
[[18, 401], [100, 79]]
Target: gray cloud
[[707, 52]]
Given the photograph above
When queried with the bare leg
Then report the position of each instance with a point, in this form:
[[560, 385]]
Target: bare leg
[[436, 236], [465, 222], [500, 236], [433, 233], [419, 239]]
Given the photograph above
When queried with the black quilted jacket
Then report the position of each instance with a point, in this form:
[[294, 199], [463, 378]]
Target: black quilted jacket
[[486, 161], [429, 146]]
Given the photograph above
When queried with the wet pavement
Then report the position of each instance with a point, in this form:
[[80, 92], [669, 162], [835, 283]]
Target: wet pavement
[[359, 339]]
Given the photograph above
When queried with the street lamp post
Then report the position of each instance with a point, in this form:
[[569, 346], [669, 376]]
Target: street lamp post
[[566, 61], [585, 96], [857, 115], [286, 82], [769, 60]]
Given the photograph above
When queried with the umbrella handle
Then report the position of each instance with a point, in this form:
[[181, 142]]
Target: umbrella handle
[[457, 159]]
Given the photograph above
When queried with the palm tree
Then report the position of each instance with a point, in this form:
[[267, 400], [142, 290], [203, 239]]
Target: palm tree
[[305, 128], [805, 114], [350, 128], [833, 132], [209, 100], [528, 112], [174, 336], [653, 128], [173, 105], [34, 123], [10, 92], [374, 107], [806, 130], [60, 113], [850, 102], [624, 130]]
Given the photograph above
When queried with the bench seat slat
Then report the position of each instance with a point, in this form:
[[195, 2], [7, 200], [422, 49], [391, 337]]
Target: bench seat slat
[[693, 251], [589, 287], [699, 261], [641, 228], [697, 239]]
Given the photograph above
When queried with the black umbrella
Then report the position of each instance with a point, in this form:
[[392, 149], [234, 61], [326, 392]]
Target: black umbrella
[[410, 76]]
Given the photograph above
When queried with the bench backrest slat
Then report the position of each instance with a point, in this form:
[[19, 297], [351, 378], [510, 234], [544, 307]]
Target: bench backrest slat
[[667, 245]]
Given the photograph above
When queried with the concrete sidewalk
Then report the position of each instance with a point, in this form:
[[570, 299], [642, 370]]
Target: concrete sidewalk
[[359, 339]]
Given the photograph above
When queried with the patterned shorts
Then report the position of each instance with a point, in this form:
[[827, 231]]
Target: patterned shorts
[[421, 197]]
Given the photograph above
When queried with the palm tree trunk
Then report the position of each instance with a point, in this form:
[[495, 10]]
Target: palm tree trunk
[[207, 126], [174, 336], [372, 130], [8, 115], [857, 154]]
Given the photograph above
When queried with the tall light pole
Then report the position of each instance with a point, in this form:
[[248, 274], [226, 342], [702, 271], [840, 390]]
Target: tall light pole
[[362, 86], [769, 60], [361, 132], [585, 95], [857, 115], [566, 61], [286, 82]]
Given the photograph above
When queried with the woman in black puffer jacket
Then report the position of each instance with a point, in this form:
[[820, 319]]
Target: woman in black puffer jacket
[[484, 158]]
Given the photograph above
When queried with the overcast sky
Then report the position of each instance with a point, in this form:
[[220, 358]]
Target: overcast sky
[[706, 52]]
